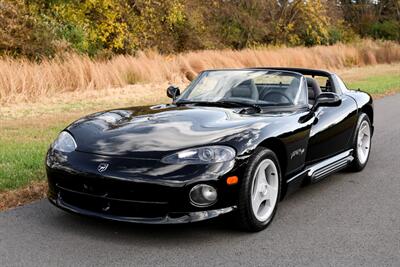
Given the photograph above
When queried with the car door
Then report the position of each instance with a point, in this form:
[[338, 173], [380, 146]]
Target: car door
[[332, 130]]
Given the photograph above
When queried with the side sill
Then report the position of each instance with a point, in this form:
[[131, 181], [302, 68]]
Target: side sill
[[320, 170]]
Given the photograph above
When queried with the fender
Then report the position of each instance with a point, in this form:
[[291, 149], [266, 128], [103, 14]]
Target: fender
[[365, 104]]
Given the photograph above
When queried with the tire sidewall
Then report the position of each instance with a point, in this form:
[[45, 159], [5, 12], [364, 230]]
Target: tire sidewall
[[357, 165], [246, 213]]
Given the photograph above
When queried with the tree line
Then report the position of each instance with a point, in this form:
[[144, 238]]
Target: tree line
[[46, 28]]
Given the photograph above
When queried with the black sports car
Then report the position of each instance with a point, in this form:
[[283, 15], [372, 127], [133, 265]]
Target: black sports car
[[236, 140]]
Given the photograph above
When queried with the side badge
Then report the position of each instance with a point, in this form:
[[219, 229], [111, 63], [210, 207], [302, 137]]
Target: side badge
[[297, 152], [102, 167]]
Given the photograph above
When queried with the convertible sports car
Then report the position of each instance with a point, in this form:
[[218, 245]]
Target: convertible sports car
[[236, 140]]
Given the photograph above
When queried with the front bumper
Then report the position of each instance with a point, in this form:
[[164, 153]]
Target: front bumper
[[169, 218], [77, 187]]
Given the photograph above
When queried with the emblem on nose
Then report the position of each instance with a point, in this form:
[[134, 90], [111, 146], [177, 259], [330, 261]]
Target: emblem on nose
[[102, 167]]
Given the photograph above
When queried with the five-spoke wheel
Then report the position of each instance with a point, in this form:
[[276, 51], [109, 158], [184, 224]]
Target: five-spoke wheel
[[260, 190], [264, 191]]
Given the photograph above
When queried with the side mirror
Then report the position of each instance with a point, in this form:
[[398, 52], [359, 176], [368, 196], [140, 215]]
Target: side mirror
[[323, 100], [327, 100], [173, 92]]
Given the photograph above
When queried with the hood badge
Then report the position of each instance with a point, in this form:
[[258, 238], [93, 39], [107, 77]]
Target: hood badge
[[102, 167]]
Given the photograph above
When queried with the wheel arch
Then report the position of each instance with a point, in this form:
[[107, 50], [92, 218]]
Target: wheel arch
[[367, 109], [278, 147]]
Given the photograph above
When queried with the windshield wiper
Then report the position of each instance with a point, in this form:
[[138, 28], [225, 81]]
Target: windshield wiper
[[256, 107], [222, 103], [178, 103]]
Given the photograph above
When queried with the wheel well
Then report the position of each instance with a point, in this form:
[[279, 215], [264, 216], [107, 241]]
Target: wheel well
[[279, 149], [367, 109]]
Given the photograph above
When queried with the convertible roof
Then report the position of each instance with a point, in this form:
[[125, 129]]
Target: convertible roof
[[299, 70], [303, 71]]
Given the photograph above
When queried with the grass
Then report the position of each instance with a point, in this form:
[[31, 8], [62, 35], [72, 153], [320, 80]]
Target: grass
[[23, 148], [378, 84], [26, 130], [77, 73], [378, 80], [87, 101], [23, 145]]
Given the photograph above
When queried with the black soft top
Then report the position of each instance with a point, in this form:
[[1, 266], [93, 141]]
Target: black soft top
[[303, 71]]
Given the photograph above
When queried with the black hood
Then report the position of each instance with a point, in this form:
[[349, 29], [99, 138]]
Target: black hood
[[142, 131]]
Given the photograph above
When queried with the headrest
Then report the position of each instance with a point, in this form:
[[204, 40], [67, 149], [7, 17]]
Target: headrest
[[314, 86], [245, 89]]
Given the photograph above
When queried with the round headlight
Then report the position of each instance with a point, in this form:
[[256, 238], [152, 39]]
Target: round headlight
[[64, 143], [206, 154], [201, 155], [203, 195]]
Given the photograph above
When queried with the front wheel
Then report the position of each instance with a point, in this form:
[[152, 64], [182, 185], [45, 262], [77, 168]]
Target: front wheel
[[260, 191]]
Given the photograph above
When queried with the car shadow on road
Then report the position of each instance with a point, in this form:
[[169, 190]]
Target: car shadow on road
[[105, 229], [205, 231]]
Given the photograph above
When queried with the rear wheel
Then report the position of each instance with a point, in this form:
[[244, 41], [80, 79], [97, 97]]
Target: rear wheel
[[260, 191], [362, 143]]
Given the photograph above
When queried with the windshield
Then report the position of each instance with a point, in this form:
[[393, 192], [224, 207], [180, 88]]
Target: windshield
[[261, 87]]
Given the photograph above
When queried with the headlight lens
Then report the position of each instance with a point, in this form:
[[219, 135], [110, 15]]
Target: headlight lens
[[201, 155], [64, 143]]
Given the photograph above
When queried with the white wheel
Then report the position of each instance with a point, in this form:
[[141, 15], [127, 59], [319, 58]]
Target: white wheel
[[260, 191], [363, 142], [264, 190]]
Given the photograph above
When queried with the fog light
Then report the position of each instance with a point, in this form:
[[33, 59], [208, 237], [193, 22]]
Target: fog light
[[203, 195]]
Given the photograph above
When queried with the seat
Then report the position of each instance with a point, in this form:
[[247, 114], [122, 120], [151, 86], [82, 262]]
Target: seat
[[246, 89], [282, 94], [313, 90]]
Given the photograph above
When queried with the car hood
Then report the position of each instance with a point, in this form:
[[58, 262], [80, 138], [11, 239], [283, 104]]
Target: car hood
[[153, 131]]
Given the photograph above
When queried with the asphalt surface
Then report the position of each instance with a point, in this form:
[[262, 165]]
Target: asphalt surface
[[346, 219]]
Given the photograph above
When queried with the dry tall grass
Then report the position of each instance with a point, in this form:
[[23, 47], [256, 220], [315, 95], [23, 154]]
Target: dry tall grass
[[21, 80]]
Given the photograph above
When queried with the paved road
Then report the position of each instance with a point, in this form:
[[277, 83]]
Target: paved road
[[346, 219]]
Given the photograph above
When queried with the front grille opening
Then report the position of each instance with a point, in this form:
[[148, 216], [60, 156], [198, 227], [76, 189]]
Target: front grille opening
[[113, 207], [116, 189]]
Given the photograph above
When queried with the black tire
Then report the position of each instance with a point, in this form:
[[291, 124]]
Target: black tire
[[245, 217], [356, 165]]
